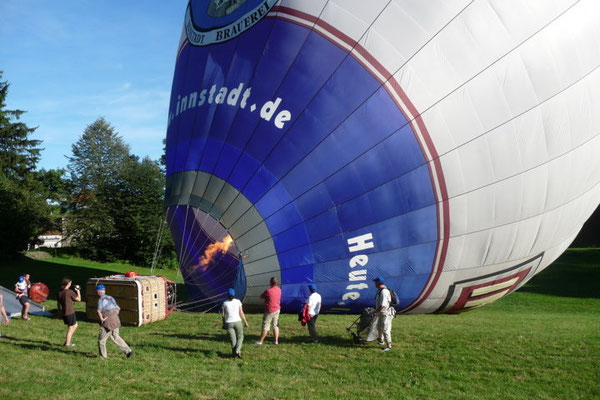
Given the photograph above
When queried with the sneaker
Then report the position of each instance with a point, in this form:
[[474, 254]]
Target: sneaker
[[26, 319], [129, 354], [381, 343], [239, 355], [275, 343], [70, 345], [387, 349], [315, 341], [258, 344]]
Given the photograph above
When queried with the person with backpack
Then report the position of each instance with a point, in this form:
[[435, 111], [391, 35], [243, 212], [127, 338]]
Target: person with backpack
[[385, 312]]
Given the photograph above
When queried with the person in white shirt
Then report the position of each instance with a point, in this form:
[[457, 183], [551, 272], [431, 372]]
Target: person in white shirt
[[314, 307], [22, 290], [384, 313], [233, 315]]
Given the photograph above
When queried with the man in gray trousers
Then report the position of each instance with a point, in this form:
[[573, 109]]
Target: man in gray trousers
[[108, 314]]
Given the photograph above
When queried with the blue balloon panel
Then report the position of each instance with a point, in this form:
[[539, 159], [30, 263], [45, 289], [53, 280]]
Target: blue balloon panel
[[310, 141]]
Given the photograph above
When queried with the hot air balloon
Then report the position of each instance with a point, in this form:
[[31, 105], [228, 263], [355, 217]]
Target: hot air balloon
[[448, 146]]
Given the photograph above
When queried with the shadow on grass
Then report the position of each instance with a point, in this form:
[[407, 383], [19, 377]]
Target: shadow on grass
[[328, 340], [49, 273], [190, 337], [214, 338], [206, 353], [43, 346], [575, 274]]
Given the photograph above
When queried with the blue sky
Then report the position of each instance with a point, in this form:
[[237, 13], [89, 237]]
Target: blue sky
[[69, 62]]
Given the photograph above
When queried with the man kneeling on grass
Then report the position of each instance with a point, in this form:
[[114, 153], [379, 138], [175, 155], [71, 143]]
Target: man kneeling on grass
[[108, 314]]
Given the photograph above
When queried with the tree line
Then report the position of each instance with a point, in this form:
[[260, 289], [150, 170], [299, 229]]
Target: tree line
[[108, 203]]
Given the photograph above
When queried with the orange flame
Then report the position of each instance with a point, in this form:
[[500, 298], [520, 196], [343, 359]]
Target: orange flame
[[215, 248]]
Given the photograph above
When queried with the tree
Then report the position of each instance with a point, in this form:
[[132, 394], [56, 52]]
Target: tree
[[97, 156], [117, 202], [57, 190], [588, 236], [137, 200], [24, 212], [162, 161], [55, 184], [18, 153]]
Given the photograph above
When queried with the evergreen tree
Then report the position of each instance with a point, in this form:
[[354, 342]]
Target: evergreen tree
[[18, 153], [137, 201], [24, 212], [117, 202], [97, 158]]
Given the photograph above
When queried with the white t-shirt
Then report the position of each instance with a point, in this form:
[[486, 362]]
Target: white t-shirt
[[314, 304], [384, 298], [22, 286], [232, 310]]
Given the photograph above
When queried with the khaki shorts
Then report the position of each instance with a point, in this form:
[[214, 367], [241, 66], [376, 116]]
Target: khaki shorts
[[270, 318]]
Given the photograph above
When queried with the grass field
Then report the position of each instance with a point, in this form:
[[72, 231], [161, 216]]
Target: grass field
[[540, 343]]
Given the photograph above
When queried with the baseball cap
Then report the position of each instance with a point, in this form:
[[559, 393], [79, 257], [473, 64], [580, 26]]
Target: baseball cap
[[312, 287], [21, 278], [379, 279], [231, 292], [100, 287]]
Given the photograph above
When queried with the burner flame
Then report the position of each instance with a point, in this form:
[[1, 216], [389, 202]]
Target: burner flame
[[214, 249]]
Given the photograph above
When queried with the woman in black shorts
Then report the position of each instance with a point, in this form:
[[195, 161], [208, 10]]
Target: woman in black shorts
[[66, 298]]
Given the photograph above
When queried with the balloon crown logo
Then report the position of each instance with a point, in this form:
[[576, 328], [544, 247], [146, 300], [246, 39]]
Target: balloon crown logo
[[220, 8], [218, 21]]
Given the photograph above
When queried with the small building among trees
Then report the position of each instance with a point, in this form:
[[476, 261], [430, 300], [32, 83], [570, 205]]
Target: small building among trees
[[50, 239]]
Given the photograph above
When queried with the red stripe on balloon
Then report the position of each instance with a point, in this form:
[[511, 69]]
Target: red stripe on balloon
[[436, 174]]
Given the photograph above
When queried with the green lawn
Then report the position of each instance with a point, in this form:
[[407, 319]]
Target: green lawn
[[540, 343], [52, 270]]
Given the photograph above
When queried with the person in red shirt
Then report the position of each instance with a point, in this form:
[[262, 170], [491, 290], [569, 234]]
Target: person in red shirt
[[272, 297]]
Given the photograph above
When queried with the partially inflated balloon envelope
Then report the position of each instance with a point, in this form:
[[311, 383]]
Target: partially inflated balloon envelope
[[448, 146]]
